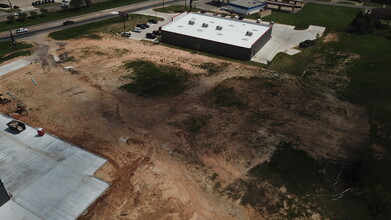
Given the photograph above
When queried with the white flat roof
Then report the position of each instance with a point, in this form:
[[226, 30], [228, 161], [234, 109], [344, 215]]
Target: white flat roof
[[233, 31], [48, 178]]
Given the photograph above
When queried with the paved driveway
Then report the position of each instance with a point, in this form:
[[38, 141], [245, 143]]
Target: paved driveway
[[284, 39]]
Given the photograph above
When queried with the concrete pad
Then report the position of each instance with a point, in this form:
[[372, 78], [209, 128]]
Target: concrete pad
[[13, 66], [50, 178], [12, 210], [284, 40]]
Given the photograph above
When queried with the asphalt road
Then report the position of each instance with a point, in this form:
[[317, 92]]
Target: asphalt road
[[85, 19]]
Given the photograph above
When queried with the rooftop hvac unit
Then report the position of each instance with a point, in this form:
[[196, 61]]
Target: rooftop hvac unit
[[204, 25], [218, 27], [249, 33], [191, 22]]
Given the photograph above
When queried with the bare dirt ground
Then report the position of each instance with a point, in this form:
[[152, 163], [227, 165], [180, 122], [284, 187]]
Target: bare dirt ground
[[157, 168]]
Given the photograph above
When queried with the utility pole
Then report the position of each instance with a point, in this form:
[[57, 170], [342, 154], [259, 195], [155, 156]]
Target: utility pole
[[12, 38], [10, 3]]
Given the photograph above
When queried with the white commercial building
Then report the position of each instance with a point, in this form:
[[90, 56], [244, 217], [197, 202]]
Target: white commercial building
[[223, 36]]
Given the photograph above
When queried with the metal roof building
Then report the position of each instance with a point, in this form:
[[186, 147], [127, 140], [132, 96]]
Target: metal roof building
[[222, 36], [47, 177], [246, 7]]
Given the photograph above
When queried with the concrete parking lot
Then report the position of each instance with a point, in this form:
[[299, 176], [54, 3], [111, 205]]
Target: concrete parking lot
[[142, 36], [286, 40]]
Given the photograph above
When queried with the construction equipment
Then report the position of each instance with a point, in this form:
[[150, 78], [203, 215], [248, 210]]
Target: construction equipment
[[16, 126], [20, 109], [3, 100]]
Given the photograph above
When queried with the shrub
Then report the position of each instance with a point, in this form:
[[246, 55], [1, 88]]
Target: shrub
[[33, 14]]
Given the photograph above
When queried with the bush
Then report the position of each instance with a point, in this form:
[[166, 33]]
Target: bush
[[33, 14], [10, 19], [22, 16], [44, 11]]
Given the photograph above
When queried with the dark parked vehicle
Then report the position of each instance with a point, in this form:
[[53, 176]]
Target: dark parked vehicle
[[150, 36], [203, 12], [306, 43], [241, 17], [146, 25], [3, 5], [157, 32], [67, 22], [141, 26], [223, 15], [153, 21]]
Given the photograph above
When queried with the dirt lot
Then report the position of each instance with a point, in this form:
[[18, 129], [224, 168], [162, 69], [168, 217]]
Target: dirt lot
[[158, 167]]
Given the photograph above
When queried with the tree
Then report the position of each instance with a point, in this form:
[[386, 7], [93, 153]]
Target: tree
[[76, 3], [43, 11], [10, 19], [88, 2], [33, 14], [22, 16]]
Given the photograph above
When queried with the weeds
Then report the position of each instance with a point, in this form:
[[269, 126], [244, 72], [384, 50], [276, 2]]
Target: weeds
[[150, 80]]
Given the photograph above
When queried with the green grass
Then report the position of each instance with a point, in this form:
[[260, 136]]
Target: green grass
[[52, 16], [175, 9], [150, 80], [331, 17], [112, 25], [7, 51]]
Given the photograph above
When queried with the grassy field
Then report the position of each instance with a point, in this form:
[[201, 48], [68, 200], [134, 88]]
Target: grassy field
[[331, 17], [7, 51], [369, 86], [112, 25], [66, 14]]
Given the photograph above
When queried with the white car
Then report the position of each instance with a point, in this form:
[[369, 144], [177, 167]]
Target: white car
[[16, 14], [22, 30], [137, 29]]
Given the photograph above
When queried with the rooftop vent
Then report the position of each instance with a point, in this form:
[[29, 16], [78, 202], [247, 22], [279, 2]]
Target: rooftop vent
[[218, 27], [249, 33], [205, 25], [191, 22]]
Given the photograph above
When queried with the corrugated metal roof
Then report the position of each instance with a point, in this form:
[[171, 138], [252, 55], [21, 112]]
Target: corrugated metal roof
[[48, 177]]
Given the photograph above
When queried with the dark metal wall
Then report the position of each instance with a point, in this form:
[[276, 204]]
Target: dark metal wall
[[3, 194], [261, 42], [206, 46]]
